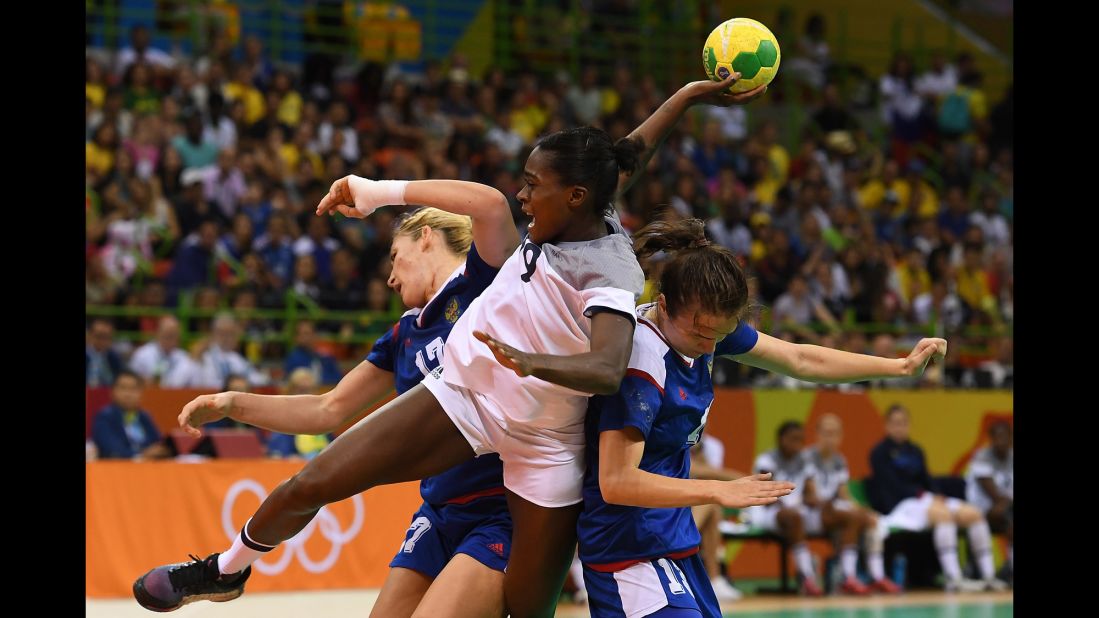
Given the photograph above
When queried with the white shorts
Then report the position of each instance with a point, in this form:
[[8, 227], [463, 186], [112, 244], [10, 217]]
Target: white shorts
[[543, 466], [765, 518], [911, 513]]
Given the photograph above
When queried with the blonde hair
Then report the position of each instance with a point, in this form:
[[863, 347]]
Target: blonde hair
[[301, 378], [457, 230]]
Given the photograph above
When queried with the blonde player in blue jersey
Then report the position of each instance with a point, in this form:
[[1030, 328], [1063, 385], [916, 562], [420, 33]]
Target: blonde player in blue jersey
[[457, 546], [638, 541], [564, 301]]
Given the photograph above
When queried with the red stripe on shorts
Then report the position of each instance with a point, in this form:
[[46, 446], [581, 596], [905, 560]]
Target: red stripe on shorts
[[614, 567]]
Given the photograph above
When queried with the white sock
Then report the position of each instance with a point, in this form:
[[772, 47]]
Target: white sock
[[804, 561], [875, 543], [244, 552], [946, 544], [849, 559], [980, 538], [877, 566]]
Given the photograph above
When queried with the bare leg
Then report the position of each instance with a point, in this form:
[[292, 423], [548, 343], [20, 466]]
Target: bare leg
[[409, 438], [465, 589], [542, 543], [400, 594], [706, 517]]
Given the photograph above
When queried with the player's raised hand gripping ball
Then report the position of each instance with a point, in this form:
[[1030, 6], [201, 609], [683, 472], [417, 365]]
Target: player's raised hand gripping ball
[[745, 46]]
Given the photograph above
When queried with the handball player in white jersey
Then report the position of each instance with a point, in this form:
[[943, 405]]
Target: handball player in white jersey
[[554, 327]]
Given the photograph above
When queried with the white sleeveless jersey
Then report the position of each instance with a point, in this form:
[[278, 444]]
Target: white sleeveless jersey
[[542, 302]]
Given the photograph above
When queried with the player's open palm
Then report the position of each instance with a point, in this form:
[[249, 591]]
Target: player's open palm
[[754, 490], [204, 409], [513, 359], [926, 349], [717, 93]]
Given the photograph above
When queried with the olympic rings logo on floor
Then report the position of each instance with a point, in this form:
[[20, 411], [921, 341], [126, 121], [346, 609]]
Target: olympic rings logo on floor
[[329, 527]]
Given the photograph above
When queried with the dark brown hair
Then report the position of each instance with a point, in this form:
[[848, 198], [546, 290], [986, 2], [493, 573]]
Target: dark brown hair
[[699, 272], [586, 156]]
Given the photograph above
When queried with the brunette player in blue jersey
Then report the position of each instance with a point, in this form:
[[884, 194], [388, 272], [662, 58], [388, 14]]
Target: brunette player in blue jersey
[[638, 541]]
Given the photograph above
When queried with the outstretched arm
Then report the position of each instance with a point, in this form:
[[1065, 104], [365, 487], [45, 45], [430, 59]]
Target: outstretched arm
[[293, 414], [622, 481], [814, 363], [656, 128], [493, 229], [599, 371]]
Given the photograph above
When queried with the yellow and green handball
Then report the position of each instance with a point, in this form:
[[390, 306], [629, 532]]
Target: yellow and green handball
[[742, 45]]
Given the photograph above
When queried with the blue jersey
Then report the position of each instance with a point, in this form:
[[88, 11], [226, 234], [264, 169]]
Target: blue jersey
[[414, 347], [667, 397]]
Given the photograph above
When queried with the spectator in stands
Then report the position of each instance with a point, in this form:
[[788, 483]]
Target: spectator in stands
[[833, 115], [829, 499], [954, 220], [345, 291], [194, 265], [300, 382], [122, 430], [964, 111], [323, 366], [213, 359], [973, 281], [100, 288], [102, 364], [788, 516], [940, 307], [276, 247], [139, 96], [990, 486], [796, 308], [306, 282], [319, 244], [708, 462], [224, 185], [237, 242], [156, 359], [338, 122], [901, 488], [812, 56], [193, 147], [902, 106], [99, 153], [993, 224], [141, 51], [584, 99], [938, 80]]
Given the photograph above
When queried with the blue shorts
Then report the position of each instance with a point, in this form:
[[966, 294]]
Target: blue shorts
[[648, 587], [481, 529]]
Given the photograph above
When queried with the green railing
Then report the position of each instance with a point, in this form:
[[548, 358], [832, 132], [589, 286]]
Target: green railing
[[369, 325]]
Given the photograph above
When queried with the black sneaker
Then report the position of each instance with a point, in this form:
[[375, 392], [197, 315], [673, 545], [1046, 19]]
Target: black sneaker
[[168, 588]]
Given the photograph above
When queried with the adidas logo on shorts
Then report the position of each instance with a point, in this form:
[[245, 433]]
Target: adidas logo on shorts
[[437, 372]]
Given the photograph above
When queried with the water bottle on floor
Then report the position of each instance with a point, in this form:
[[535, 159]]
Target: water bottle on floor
[[900, 567]]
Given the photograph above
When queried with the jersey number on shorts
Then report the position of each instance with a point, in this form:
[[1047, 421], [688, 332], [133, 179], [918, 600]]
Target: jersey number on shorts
[[674, 585], [531, 252], [432, 353], [419, 526]]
